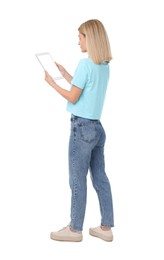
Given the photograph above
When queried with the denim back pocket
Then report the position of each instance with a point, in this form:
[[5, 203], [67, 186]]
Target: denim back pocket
[[88, 132]]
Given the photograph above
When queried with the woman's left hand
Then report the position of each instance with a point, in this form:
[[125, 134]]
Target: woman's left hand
[[49, 79]]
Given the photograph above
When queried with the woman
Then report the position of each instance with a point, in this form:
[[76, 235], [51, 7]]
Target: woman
[[87, 139]]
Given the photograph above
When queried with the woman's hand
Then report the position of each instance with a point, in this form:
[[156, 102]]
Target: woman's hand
[[49, 79], [64, 73], [61, 69]]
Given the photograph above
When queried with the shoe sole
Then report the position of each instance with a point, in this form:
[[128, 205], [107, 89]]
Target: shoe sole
[[67, 239], [95, 234]]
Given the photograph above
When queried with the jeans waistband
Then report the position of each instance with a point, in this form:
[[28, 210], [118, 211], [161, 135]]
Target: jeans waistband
[[74, 118], [83, 121]]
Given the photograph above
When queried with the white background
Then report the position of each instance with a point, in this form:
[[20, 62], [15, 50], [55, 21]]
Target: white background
[[34, 129]]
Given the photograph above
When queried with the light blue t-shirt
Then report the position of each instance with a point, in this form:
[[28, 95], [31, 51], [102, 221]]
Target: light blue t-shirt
[[93, 80]]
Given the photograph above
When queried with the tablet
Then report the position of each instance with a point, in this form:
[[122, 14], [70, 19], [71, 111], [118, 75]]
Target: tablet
[[46, 61]]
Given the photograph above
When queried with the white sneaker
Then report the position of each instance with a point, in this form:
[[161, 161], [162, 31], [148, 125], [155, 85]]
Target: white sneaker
[[98, 232], [65, 234]]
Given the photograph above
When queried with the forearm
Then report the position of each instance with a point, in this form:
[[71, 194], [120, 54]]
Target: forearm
[[70, 95], [63, 92], [67, 77]]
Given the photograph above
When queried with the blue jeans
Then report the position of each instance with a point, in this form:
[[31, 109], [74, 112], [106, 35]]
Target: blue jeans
[[86, 152]]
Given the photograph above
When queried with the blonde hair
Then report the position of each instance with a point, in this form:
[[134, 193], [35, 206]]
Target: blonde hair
[[97, 42]]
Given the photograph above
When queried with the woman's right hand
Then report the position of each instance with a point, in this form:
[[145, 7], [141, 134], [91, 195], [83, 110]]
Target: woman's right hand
[[64, 73], [61, 69]]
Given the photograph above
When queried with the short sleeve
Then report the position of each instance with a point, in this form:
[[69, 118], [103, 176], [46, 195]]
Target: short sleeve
[[80, 76]]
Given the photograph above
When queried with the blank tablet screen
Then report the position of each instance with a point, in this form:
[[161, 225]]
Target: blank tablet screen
[[46, 61]]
